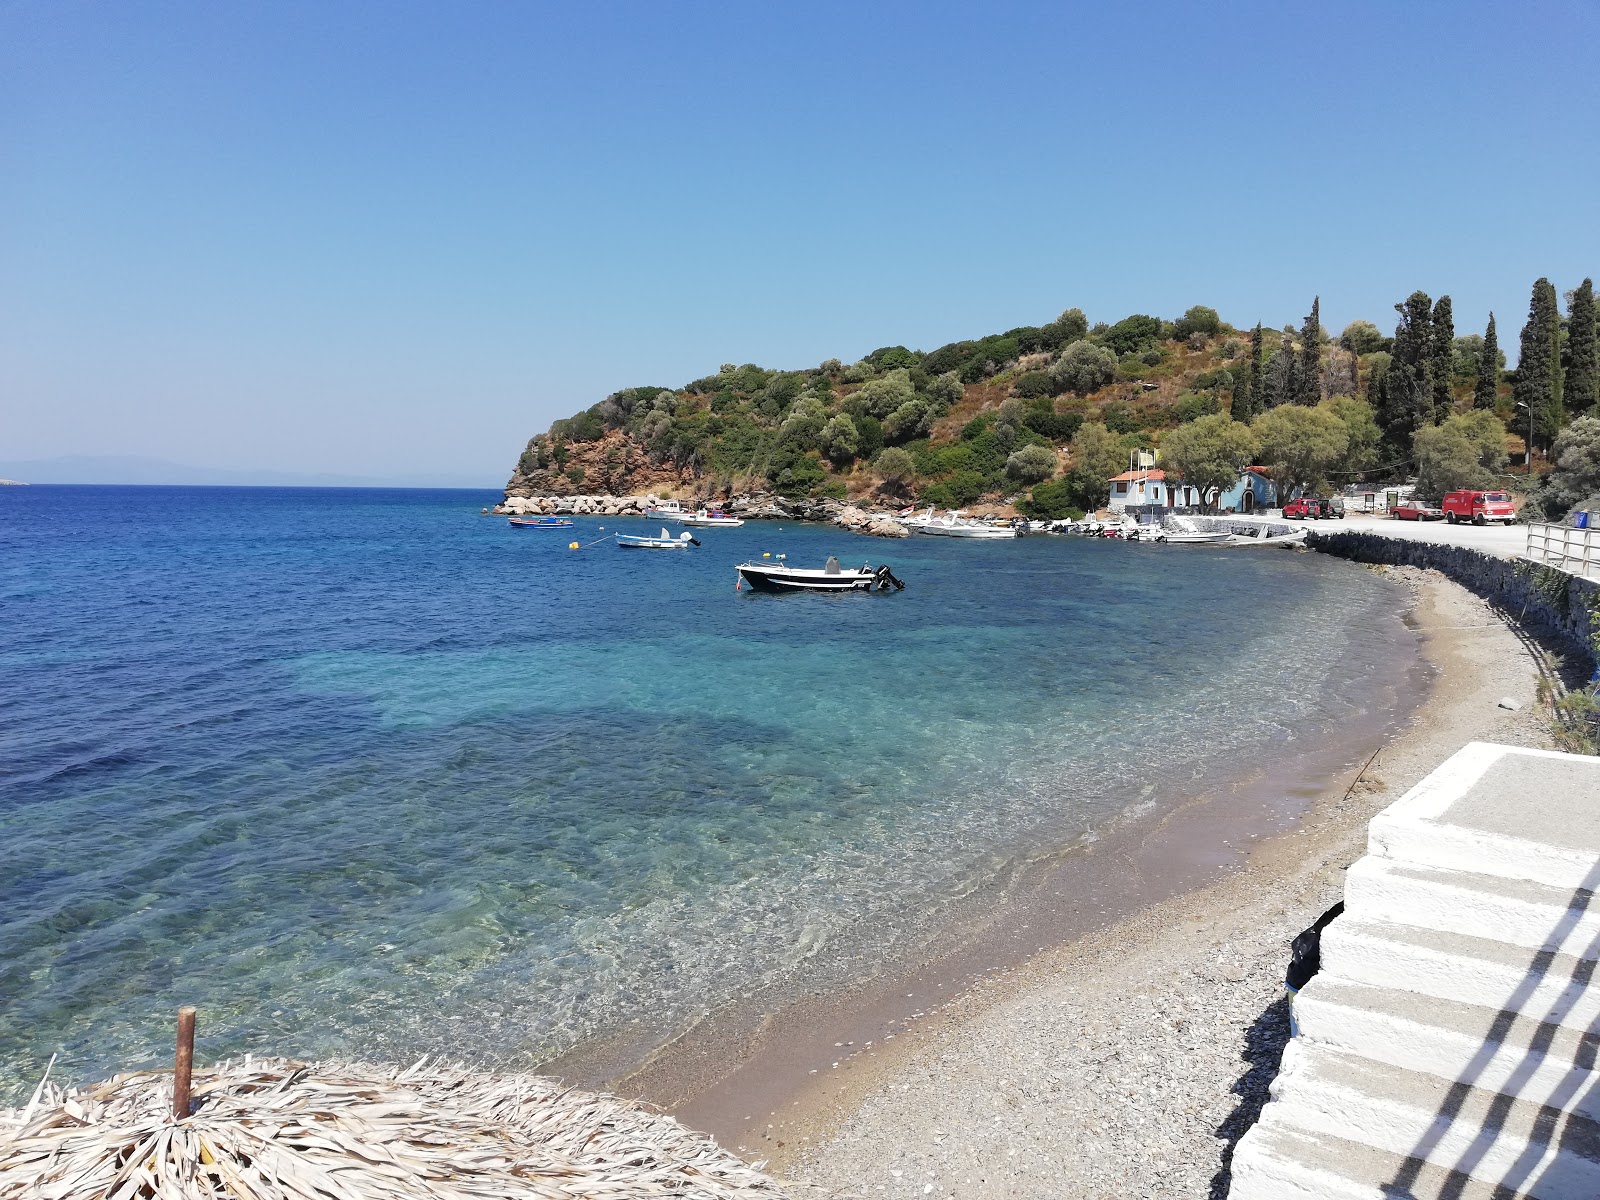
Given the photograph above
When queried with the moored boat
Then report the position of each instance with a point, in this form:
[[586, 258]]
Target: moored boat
[[666, 541], [539, 522], [779, 577], [954, 525], [663, 508], [709, 519]]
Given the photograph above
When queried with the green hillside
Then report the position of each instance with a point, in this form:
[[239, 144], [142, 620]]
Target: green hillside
[[1038, 416]]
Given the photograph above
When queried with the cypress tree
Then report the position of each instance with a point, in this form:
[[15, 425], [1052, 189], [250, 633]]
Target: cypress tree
[[1308, 373], [1252, 388], [1539, 364], [1406, 400], [1278, 381], [1483, 392], [1441, 358], [1582, 391]]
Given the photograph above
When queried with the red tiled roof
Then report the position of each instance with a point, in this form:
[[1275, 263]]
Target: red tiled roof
[[1131, 476]]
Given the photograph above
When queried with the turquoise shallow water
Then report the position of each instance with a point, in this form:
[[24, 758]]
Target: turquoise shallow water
[[355, 771]]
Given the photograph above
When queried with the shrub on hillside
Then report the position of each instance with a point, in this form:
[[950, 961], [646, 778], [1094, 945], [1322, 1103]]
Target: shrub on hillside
[[869, 434], [888, 358], [840, 439], [1197, 320], [894, 465], [1056, 501], [1034, 383], [1031, 464], [913, 419], [1577, 473], [1083, 367], [945, 390], [1193, 405], [1133, 333], [1118, 416], [881, 396]]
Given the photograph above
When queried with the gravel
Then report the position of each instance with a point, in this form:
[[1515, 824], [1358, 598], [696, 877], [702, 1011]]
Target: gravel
[[1130, 1062]]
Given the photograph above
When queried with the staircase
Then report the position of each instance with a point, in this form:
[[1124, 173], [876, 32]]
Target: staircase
[[1448, 1046]]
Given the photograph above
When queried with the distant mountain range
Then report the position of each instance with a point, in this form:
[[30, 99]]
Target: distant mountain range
[[131, 469]]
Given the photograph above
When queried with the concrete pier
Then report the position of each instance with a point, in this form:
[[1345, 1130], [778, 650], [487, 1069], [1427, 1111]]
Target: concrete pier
[[1448, 1045]]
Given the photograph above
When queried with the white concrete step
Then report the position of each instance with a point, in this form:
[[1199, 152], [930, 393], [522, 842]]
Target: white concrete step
[[1486, 1135], [1518, 911], [1454, 966], [1275, 1162], [1499, 810], [1497, 1051]]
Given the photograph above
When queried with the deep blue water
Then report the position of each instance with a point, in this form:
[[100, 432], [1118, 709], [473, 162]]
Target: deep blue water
[[340, 766]]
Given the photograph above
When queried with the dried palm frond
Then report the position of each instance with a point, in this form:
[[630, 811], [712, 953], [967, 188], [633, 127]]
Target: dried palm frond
[[276, 1129]]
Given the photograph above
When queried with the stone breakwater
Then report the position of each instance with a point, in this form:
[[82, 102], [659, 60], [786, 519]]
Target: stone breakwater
[[759, 507], [1561, 606]]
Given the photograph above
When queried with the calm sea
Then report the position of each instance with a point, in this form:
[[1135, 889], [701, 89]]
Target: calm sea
[[357, 770]]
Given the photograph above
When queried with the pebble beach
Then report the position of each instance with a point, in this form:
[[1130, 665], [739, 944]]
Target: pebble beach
[[1130, 1061]]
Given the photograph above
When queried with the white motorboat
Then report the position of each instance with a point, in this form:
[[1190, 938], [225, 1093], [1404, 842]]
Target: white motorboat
[[666, 541], [663, 508], [779, 577], [954, 525], [712, 519], [1180, 531], [1265, 537]]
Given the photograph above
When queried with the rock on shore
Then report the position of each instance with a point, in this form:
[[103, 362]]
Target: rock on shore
[[761, 506]]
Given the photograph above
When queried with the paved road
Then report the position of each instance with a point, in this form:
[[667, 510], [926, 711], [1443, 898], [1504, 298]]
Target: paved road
[[1507, 541]]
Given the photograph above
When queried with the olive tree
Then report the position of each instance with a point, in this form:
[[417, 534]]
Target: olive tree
[[1467, 451], [1300, 445], [1031, 464], [1084, 367], [1097, 456], [895, 466], [1208, 453], [803, 426], [1361, 427], [945, 390], [881, 396], [839, 439], [1362, 337]]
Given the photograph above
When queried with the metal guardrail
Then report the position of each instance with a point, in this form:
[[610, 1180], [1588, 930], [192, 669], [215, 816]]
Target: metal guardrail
[[1575, 551]]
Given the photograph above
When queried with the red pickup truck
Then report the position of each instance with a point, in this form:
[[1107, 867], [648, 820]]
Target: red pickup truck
[[1478, 507]]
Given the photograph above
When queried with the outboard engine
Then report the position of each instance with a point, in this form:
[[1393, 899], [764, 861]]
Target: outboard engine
[[883, 579]]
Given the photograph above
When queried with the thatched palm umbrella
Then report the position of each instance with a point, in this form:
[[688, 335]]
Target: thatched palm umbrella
[[276, 1129]]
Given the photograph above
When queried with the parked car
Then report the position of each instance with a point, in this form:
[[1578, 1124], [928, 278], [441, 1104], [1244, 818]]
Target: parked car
[[1313, 507], [1478, 507], [1416, 510]]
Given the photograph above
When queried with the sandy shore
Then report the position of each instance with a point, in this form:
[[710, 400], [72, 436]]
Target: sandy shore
[[1128, 1061]]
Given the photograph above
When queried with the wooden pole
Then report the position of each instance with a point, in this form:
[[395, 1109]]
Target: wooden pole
[[185, 1064]]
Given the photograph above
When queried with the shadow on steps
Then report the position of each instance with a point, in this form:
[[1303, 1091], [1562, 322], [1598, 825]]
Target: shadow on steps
[[1263, 1048]]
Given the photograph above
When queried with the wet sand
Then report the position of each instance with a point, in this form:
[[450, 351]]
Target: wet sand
[[1127, 1059]]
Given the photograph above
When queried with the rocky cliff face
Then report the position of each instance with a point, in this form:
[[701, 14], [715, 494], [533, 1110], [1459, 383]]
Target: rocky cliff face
[[614, 466]]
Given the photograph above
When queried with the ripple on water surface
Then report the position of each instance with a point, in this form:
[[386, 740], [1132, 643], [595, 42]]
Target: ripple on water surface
[[343, 766]]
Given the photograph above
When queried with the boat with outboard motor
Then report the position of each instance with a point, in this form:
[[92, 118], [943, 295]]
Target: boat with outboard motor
[[629, 541], [539, 522], [709, 519], [955, 525], [779, 577]]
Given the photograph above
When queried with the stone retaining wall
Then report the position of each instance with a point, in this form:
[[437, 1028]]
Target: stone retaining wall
[[1563, 607]]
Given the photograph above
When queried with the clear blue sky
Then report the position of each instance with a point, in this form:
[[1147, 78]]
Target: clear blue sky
[[395, 238]]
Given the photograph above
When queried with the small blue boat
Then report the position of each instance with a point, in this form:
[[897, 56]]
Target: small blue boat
[[539, 522]]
